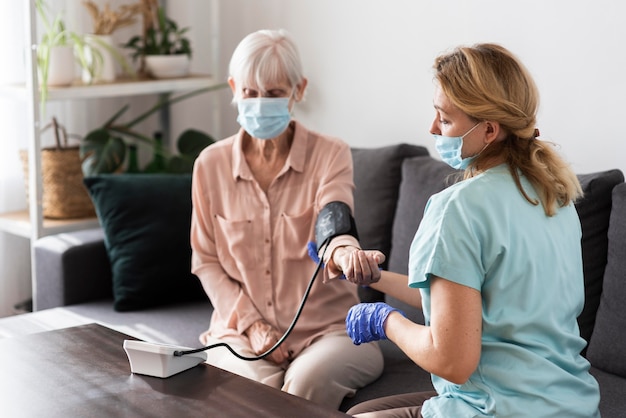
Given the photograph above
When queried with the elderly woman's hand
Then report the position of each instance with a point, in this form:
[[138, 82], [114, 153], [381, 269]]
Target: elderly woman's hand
[[359, 266], [262, 337]]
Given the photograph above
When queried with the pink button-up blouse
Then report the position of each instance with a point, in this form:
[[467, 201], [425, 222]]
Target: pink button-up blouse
[[249, 247]]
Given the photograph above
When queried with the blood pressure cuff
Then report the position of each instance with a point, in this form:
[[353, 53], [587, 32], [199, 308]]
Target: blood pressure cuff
[[333, 220]]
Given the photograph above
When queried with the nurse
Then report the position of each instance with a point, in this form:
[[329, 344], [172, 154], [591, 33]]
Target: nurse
[[491, 253]]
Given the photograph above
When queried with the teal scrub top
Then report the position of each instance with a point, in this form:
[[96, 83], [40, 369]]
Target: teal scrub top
[[482, 233]]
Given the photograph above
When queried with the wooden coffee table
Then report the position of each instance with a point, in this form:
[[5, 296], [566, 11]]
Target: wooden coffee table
[[84, 372]]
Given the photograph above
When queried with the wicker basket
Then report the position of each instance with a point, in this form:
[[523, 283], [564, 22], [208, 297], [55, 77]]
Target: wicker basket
[[64, 194]]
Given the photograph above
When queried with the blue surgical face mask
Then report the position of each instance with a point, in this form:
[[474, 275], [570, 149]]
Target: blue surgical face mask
[[264, 117], [450, 148]]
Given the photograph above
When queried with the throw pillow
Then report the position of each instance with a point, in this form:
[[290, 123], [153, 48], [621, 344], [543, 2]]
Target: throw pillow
[[594, 210], [422, 177], [146, 220], [606, 348], [377, 176]]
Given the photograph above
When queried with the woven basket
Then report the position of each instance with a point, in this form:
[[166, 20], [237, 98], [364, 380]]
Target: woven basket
[[64, 194]]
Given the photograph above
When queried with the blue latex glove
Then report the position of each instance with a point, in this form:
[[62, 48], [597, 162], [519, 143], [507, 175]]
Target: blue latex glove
[[311, 248], [365, 322]]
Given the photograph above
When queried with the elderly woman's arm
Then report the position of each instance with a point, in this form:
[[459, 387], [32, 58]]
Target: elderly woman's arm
[[226, 294]]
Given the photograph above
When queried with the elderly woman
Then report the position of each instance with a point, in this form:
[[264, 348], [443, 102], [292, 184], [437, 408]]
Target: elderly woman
[[488, 258], [256, 197]]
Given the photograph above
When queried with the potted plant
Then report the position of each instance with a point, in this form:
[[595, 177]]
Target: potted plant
[[96, 51], [55, 56], [60, 49], [104, 150], [163, 49]]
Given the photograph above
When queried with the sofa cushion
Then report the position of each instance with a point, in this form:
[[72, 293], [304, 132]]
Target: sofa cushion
[[606, 348], [377, 175], [612, 389], [594, 210], [63, 261], [421, 178], [146, 221]]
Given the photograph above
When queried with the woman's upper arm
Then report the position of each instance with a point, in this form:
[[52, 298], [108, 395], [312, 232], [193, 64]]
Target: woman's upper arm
[[450, 345], [336, 176], [456, 326]]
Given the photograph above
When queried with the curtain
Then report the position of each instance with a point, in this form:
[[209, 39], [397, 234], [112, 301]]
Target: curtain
[[15, 285]]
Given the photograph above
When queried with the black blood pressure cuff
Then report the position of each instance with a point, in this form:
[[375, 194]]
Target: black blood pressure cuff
[[333, 220]]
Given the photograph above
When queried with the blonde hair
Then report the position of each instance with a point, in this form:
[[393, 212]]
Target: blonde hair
[[265, 57], [488, 83]]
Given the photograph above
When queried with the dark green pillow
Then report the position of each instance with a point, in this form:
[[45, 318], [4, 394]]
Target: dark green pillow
[[146, 220]]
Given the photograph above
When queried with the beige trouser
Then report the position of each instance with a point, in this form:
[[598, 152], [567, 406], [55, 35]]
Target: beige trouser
[[408, 405], [325, 372]]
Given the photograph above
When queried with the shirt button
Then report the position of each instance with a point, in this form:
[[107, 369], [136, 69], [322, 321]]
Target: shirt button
[[267, 241], [269, 304], [267, 272]]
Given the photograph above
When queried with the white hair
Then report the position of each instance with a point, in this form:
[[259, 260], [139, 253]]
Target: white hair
[[265, 57]]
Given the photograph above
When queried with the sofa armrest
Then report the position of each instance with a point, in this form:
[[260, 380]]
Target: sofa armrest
[[71, 268]]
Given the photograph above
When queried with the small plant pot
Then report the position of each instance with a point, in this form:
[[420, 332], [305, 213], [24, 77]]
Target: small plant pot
[[101, 63], [61, 66], [167, 66]]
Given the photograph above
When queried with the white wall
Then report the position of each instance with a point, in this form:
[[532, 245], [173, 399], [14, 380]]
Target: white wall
[[369, 69], [369, 64]]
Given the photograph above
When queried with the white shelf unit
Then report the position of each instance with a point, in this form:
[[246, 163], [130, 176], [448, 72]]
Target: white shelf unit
[[30, 222], [19, 222], [120, 88]]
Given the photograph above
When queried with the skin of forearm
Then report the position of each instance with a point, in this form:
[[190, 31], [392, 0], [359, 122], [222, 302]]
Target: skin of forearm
[[418, 343], [396, 285]]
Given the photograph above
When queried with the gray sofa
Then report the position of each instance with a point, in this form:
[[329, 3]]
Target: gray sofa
[[393, 183]]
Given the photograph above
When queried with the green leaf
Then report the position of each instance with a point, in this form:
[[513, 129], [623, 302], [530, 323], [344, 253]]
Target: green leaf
[[179, 164], [163, 39], [117, 115], [192, 142], [162, 18], [102, 153], [105, 150]]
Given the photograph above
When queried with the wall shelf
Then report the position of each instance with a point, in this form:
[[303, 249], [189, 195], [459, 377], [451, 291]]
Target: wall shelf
[[120, 88], [18, 223]]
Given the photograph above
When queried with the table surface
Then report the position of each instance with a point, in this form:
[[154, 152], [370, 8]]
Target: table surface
[[84, 372]]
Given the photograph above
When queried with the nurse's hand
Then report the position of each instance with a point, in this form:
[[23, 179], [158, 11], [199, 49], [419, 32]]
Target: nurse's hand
[[365, 322]]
